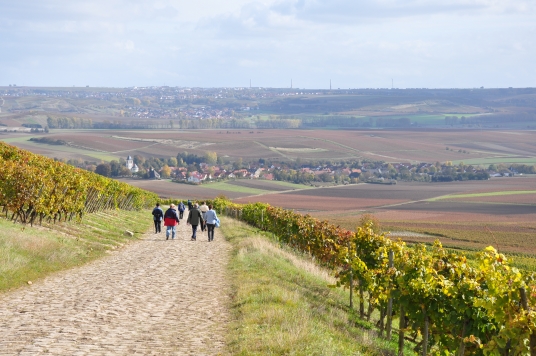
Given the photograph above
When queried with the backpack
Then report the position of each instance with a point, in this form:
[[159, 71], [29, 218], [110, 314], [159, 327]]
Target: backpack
[[158, 214]]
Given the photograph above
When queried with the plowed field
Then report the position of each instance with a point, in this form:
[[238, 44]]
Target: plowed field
[[306, 203], [387, 145]]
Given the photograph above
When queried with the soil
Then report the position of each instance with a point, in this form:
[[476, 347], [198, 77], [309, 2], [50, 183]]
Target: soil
[[471, 208]]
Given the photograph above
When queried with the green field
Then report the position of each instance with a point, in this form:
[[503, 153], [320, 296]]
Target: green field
[[423, 119], [489, 194], [101, 156], [291, 185], [234, 188], [496, 160]]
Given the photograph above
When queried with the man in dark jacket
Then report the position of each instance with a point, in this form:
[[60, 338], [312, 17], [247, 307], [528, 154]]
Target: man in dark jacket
[[181, 209], [194, 218], [158, 216], [171, 220]]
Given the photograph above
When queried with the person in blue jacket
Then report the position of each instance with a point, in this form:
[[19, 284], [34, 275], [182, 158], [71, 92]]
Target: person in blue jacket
[[181, 208], [210, 219]]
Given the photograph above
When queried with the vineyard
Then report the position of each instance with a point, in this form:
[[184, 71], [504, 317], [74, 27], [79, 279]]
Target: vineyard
[[34, 188], [445, 303]]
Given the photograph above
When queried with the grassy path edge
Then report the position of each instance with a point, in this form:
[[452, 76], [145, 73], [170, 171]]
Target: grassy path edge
[[282, 305], [31, 253]]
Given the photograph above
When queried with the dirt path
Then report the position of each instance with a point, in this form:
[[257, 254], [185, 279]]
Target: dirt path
[[153, 297]]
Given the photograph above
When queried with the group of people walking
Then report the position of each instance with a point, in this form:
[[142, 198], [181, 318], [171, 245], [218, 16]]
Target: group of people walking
[[198, 216]]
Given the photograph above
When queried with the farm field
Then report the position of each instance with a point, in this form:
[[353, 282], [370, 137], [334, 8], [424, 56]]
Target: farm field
[[168, 189], [481, 147], [231, 189], [470, 215], [272, 186]]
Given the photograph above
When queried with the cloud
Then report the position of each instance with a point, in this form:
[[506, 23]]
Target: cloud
[[366, 10], [357, 43]]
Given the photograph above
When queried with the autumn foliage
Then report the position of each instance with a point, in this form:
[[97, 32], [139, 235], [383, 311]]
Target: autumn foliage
[[36, 187], [448, 303]]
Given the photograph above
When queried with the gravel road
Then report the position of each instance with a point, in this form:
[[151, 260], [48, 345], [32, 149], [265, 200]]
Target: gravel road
[[152, 297]]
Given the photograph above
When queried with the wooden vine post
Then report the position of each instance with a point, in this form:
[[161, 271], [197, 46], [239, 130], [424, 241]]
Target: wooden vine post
[[361, 301], [351, 281], [390, 301], [425, 333], [401, 327]]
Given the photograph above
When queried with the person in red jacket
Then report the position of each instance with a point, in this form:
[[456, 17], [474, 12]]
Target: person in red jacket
[[171, 220]]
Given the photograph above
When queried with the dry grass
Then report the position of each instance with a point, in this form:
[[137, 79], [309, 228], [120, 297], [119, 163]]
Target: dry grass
[[29, 253], [283, 306], [264, 246]]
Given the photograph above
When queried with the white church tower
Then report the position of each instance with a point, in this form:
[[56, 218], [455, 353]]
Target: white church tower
[[131, 165], [130, 162]]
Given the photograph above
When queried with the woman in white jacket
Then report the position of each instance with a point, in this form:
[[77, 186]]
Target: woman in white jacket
[[210, 220]]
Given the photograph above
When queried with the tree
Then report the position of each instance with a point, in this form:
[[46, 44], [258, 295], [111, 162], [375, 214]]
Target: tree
[[124, 171], [326, 177], [238, 163], [139, 160], [165, 171], [172, 162], [115, 168], [211, 157], [103, 169]]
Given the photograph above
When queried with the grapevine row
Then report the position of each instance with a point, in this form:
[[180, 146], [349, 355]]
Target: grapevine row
[[449, 305], [34, 187]]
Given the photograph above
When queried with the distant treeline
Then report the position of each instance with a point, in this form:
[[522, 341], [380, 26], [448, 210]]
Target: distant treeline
[[523, 168], [460, 176], [277, 122], [48, 141], [200, 124], [337, 121], [69, 123], [490, 119]]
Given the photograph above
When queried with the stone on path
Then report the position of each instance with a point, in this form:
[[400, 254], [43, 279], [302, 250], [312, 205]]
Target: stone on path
[[153, 297]]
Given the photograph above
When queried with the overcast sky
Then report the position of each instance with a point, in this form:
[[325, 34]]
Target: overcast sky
[[217, 43]]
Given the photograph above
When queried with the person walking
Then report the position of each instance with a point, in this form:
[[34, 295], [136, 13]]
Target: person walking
[[210, 221], [194, 218], [189, 204], [181, 208], [158, 216], [203, 209], [171, 220]]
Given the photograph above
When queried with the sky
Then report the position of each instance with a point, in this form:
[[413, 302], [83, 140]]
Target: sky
[[227, 43]]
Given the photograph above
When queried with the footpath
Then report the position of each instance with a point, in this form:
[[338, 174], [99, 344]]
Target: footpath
[[152, 297]]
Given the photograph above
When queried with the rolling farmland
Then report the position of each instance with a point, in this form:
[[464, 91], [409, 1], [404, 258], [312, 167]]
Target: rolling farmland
[[470, 214], [485, 147], [501, 211]]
